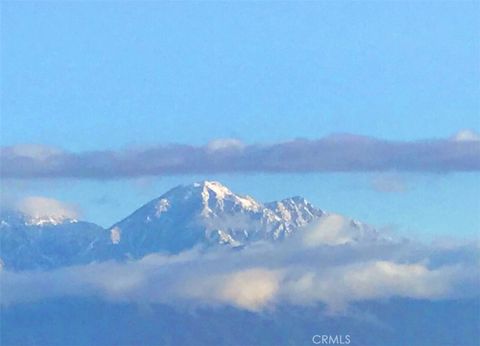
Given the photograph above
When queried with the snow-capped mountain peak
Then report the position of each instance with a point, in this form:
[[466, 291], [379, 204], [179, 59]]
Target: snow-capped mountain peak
[[209, 213], [215, 187], [213, 196], [202, 214], [220, 193]]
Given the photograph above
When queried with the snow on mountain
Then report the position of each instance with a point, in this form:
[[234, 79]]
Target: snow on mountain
[[47, 242], [201, 214], [208, 213]]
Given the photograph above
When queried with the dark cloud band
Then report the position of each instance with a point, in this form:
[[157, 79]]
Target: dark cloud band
[[339, 153]]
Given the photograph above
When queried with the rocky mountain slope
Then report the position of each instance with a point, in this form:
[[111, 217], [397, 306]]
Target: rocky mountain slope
[[201, 214]]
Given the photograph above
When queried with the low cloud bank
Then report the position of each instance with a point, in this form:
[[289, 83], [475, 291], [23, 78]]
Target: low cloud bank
[[305, 270], [336, 153]]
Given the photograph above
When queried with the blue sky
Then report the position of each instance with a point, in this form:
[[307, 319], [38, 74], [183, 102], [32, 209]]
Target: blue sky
[[111, 75]]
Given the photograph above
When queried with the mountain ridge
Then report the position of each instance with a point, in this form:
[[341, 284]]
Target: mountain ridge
[[203, 214]]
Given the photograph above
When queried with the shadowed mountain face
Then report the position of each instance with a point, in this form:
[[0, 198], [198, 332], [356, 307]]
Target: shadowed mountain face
[[200, 214], [27, 243]]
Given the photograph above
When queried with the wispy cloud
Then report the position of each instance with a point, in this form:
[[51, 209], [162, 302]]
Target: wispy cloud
[[389, 183], [336, 153], [40, 207]]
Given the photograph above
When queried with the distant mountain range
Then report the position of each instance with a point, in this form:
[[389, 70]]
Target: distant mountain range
[[201, 214]]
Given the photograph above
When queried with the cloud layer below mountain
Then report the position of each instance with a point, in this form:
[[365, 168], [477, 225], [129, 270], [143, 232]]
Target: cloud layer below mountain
[[336, 153], [311, 268]]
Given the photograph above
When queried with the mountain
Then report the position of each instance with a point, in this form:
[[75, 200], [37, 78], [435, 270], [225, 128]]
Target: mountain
[[31, 243], [200, 214], [80, 321], [208, 213]]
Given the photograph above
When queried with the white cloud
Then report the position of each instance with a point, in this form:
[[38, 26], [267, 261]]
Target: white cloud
[[330, 230], [251, 289], [225, 144], [42, 207], [329, 263], [341, 285], [466, 136], [246, 288]]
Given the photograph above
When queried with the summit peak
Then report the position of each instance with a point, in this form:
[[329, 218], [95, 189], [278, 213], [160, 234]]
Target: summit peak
[[209, 184], [218, 188]]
